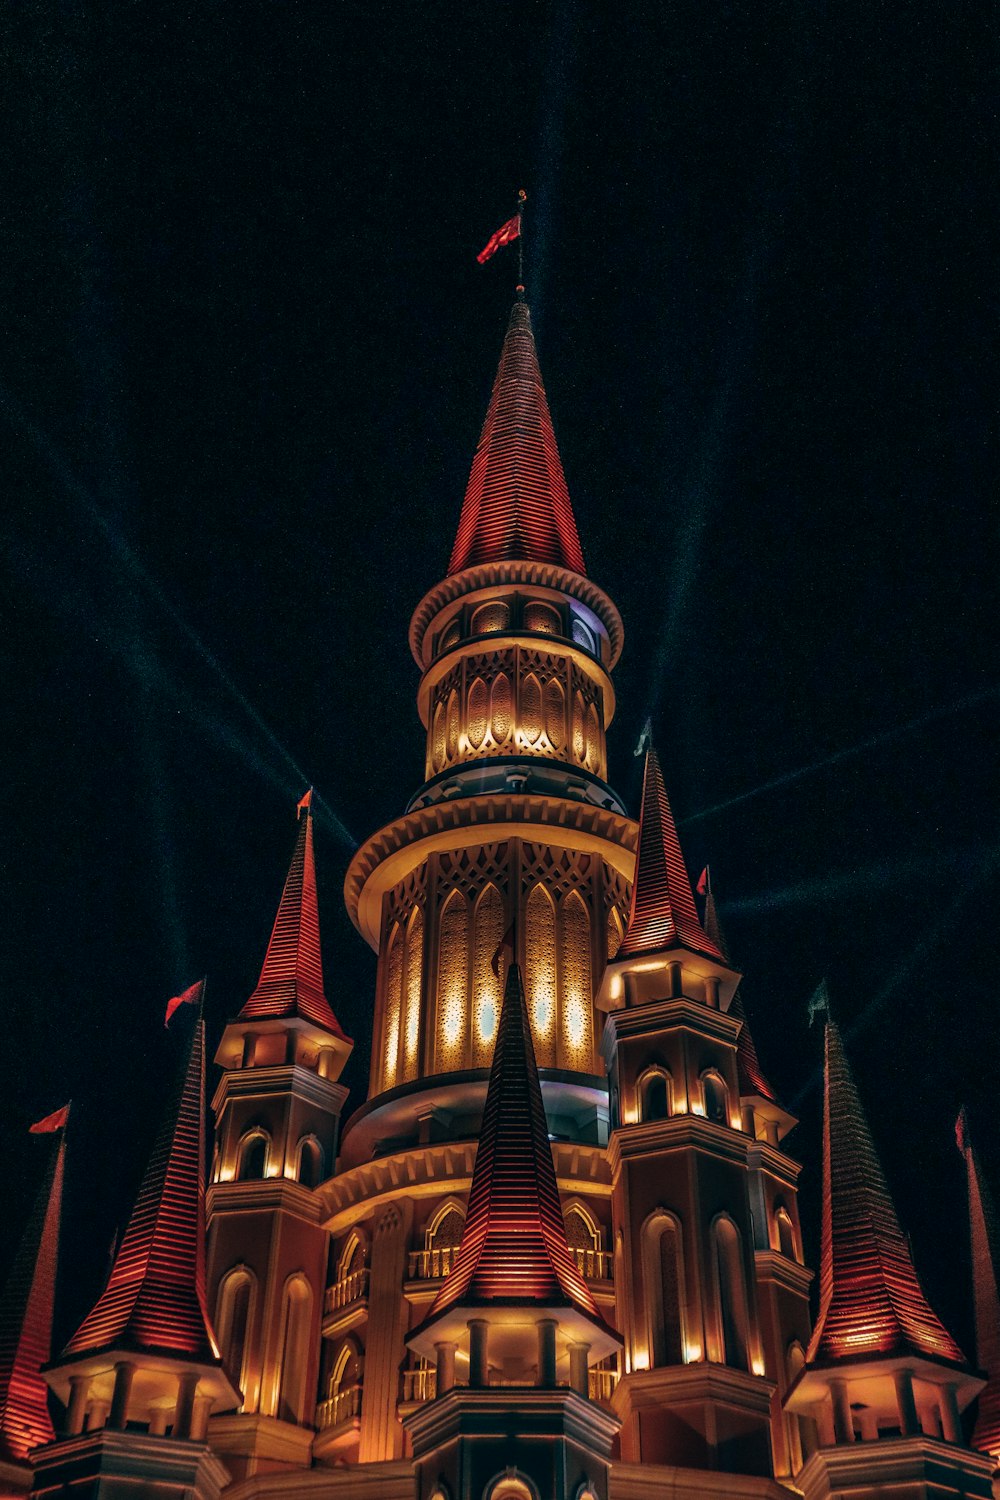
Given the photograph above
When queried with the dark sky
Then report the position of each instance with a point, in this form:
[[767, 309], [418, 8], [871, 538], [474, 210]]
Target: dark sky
[[248, 352]]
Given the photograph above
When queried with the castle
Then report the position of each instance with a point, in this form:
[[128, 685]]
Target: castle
[[557, 1254]]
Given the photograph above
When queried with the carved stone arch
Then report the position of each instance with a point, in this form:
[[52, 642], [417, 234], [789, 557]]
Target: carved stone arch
[[664, 1287], [576, 998], [412, 993], [439, 739], [393, 1009], [295, 1345], [477, 713], [731, 1300], [344, 1385], [512, 1484], [555, 713], [353, 1254], [594, 752], [236, 1307], [310, 1160], [530, 714], [540, 970], [487, 992], [783, 1238], [501, 709], [578, 729], [715, 1096], [443, 1235], [654, 1090], [253, 1154], [584, 1237]]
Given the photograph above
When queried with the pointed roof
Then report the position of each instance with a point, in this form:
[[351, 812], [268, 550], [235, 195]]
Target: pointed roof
[[26, 1321], [662, 913], [517, 504], [154, 1301], [291, 981], [751, 1075], [871, 1301], [513, 1247], [985, 1246]]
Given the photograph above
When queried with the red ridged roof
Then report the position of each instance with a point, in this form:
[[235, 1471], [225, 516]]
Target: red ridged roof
[[155, 1297], [871, 1302], [26, 1321], [517, 504], [291, 981], [985, 1244], [513, 1247], [662, 912]]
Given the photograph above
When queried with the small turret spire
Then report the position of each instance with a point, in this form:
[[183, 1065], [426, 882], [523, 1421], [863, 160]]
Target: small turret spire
[[751, 1075], [516, 504], [154, 1300], [291, 980], [514, 1248], [871, 1300], [985, 1259], [26, 1320], [662, 913]]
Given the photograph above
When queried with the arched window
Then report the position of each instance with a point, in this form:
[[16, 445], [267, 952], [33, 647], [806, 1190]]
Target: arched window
[[296, 1317], [716, 1097], [542, 617], [584, 636], [252, 1161], [663, 1282], [584, 1239], [786, 1232], [731, 1294], [309, 1169], [490, 618], [442, 1238], [345, 1384], [237, 1295], [352, 1256], [453, 982], [530, 708], [655, 1095], [510, 1487]]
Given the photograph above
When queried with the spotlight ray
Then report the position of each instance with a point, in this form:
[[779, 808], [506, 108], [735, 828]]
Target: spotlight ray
[[873, 878]]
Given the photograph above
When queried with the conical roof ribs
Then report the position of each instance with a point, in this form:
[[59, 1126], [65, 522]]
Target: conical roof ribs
[[871, 1301], [516, 504], [291, 981], [662, 913], [154, 1301], [983, 1233], [26, 1321], [513, 1247]]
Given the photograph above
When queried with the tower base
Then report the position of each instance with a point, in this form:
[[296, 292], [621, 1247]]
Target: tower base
[[111, 1465]]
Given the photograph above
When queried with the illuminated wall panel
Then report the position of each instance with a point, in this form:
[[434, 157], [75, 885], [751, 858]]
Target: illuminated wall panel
[[393, 1006], [555, 714], [540, 956], [478, 713], [486, 989], [453, 979], [531, 708], [579, 740], [502, 708], [576, 991], [414, 965]]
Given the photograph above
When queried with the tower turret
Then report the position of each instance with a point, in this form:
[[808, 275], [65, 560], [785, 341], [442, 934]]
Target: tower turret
[[515, 1312], [880, 1363], [26, 1308], [984, 1246], [142, 1373], [277, 1110]]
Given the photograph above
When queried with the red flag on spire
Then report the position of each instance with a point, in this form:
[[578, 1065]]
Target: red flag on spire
[[305, 802], [505, 235], [704, 884], [53, 1122], [190, 996]]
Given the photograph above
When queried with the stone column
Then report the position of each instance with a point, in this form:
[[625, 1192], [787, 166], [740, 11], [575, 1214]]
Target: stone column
[[908, 1424], [578, 1368], [79, 1390], [951, 1421], [478, 1353], [843, 1422], [124, 1375], [187, 1386], [547, 1352], [445, 1367]]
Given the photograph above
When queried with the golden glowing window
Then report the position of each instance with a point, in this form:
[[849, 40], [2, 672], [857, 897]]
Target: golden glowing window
[[577, 994], [531, 708], [414, 965], [490, 618], [450, 636], [541, 974], [543, 618], [453, 950], [478, 713], [486, 991], [502, 706], [393, 1005]]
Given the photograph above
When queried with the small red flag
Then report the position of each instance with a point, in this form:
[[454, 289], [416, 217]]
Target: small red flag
[[53, 1122], [704, 883], [305, 802], [504, 236], [189, 997], [506, 945]]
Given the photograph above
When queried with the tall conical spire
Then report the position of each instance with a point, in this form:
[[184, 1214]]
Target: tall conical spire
[[871, 1301], [517, 504], [662, 912], [513, 1247], [985, 1259], [155, 1297], [26, 1321], [291, 981]]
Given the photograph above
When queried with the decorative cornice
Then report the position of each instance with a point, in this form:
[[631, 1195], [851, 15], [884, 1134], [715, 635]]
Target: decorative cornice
[[772, 1266], [265, 1194], [679, 1133], [288, 1079]]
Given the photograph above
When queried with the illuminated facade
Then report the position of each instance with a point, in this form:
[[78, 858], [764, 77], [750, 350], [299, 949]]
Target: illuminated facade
[[557, 1254]]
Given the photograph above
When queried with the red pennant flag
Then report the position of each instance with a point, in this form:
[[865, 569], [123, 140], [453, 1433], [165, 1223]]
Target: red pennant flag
[[504, 236], [506, 945], [704, 884], [53, 1122], [189, 997], [306, 802]]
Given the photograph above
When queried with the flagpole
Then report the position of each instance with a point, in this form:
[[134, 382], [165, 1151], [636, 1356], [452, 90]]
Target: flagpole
[[522, 198]]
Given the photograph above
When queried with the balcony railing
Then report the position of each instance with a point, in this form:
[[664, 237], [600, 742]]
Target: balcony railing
[[593, 1265], [601, 1384], [339, 1408], [419, 1385], [348, 1290], [431, 1265]]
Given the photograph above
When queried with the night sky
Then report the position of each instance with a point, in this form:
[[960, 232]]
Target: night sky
[[248, 354]]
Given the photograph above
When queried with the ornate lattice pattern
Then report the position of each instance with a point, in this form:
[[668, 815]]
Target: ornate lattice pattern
[[576, 988], [540, 967], [486, 991], [393, 1006], [414, 967]]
